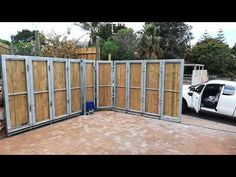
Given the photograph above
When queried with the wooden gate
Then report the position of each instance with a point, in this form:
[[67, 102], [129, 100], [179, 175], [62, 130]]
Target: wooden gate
[[17, 97], [172, 89], [60, 90], [41, 86], [152, 87], [39, 90], [120, 85], [75, 89], [104, 84]]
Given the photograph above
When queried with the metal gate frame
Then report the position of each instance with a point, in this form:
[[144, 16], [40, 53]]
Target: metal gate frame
[[181, 74], [97, 85], [68, 107], [31, 59], [6, 94], [81, 85], [84, 98], [162, 63], [160, 100], [30, 90], [128, 85], [114, 84]]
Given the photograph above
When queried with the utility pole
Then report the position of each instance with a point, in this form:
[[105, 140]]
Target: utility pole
[[37, 43]]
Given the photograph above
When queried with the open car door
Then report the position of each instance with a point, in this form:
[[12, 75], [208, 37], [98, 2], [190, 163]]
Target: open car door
[[196, 101]]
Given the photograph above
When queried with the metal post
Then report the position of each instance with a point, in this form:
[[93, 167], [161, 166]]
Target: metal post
[[5, 93], [97, 83], [181, 88], [50, 91], [29, 102], [94, 83], [161, 88], [84, 85], [143, 85], [68, 83], [112, 84], [127, 84], [31, 83], [67, 74]]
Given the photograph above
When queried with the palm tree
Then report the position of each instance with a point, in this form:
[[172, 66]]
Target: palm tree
[[92, 28], [149, 43]]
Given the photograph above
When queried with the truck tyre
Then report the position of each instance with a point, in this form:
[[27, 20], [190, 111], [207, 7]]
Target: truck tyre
[[184, 106]]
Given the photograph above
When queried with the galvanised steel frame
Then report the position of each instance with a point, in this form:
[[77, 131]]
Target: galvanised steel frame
[[160, 90], [30, 91], [98, 85], [84, 99]]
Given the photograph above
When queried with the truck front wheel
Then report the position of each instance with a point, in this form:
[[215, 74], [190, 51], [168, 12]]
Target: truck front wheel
[[184, 106]]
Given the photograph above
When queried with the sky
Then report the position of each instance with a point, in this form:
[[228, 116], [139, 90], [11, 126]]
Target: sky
[[198, 28]]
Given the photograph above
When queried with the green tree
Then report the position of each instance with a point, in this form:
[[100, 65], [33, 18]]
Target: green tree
[[26, 35], [109, 47], [23, 43], [149, 43], [22, 48], [5, 41], [105, 31], [215, 55], [205, 36], [233, 50], [92, 28], [165, 39], [125, 39], [220, 36]]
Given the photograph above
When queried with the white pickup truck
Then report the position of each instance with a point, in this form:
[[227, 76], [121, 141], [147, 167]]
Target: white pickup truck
[[216, 96]]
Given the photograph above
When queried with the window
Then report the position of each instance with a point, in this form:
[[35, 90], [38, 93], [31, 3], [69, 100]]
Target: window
[[228, 90], [199, 88]]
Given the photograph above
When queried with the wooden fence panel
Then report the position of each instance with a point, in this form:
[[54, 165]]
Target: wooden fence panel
[[38, 90], [135, 86], [89, 53], [120, 85], [59, 80], [17, 93], [41, 92], [104, 84], [152, 88], [75, 86], [171, 89], [89, 81]]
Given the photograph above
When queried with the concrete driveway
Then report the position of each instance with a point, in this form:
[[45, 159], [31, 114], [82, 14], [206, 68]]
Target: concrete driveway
[[108, 132]]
